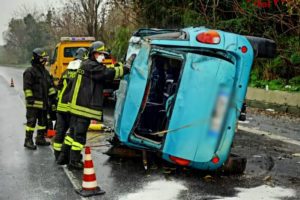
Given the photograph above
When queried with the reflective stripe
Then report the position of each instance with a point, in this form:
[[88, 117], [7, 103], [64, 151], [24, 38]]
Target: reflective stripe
[[28, 128], [34, 106], [76, 90], [100, 48], [117, 72], [64, 107], [121, 71], [68, 140], [76, 146], [39, 102], [88, 110], [57, 146], [41, 127], [85, 114], [28, 93], [51, 91], [80, 110]]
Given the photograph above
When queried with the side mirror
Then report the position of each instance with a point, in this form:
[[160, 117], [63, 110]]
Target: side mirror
[[52, 61]]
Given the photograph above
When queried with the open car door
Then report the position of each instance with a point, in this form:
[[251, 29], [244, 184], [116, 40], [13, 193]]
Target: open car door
[[131, 89]]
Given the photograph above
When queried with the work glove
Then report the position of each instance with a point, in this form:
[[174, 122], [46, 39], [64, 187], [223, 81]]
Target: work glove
[[126, 70], [130, 60]]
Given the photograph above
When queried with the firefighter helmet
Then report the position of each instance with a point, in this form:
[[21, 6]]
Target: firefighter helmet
[[81, 53], [39, 56], [97, 46]]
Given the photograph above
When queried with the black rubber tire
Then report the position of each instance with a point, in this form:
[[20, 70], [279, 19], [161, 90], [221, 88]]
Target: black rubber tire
[[263, 48], [234, 165]]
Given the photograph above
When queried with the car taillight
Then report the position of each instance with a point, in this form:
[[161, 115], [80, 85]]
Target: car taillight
[[209, 37], [244, 49], [180, 161], [215, 160]]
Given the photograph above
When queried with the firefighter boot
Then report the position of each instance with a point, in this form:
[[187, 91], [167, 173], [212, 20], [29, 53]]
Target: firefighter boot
[[75, 160], [40, 140], [56, 154], [64, 155], [29, 142]]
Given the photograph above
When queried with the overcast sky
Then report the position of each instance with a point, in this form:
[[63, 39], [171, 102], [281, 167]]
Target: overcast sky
[[10, 8]]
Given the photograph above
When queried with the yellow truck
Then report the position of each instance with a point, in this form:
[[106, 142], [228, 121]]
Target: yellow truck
[[64, 53]]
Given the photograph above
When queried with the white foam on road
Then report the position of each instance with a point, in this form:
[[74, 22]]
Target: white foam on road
[[161, 189], [264, 192]]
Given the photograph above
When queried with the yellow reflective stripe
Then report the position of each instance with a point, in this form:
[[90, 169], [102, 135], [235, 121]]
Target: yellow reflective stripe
[[80, 110], [121, 71], [62, 92], [28, 128], [86, 114], [76, 146], [117, 72], [76, 89], [63, 107], [100, 49], [57, 146], [41, 127], [38, 102], [84, 109], [34, 106], [51, 91], [68, 140], [28, 93]]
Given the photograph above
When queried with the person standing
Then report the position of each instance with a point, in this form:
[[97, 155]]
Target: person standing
[[86, 99], [37, 93], [63, 142]]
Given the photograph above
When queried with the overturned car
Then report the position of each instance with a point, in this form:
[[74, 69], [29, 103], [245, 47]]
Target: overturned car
[[184, 93]]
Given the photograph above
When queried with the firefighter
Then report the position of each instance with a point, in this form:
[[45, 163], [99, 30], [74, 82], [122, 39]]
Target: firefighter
[[37, 91], [86, 97], [62, 142]]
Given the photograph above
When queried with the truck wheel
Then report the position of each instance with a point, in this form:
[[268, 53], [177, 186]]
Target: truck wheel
[[234, 165]]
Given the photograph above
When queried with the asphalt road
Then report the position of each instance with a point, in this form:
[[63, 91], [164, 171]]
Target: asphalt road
[[273, 166]]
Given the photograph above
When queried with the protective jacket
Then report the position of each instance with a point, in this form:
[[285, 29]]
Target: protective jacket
[[86, 97], [37, 87], [65, 85]]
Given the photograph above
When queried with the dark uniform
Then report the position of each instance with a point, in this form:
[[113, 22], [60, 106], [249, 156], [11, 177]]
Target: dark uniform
[[63, 142], [37, 93], [86, 97]]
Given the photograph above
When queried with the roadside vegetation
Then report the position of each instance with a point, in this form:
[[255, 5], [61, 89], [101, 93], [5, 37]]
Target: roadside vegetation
[[113, 21]]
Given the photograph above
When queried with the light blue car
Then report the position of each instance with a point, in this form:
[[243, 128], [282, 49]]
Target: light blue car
[[184, 93]]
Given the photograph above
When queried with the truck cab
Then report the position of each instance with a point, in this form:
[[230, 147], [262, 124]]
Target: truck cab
[[64, 53]]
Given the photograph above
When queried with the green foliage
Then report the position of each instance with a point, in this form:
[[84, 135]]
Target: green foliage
[[23, 36], [295, 58], [120, 43]]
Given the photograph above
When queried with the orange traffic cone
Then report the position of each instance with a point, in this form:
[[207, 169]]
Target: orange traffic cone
[[89, 182], [12, 83]]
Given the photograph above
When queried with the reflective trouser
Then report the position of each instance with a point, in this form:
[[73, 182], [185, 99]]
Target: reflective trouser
[[81, 126], [33, 116], [63, 123]]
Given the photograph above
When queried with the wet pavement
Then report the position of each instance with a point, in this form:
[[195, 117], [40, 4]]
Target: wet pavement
[[273, 167]]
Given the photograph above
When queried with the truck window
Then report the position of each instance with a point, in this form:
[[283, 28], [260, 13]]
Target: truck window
[[69, 52]]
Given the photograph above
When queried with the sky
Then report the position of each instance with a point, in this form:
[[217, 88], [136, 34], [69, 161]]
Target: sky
[[13, 8]]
